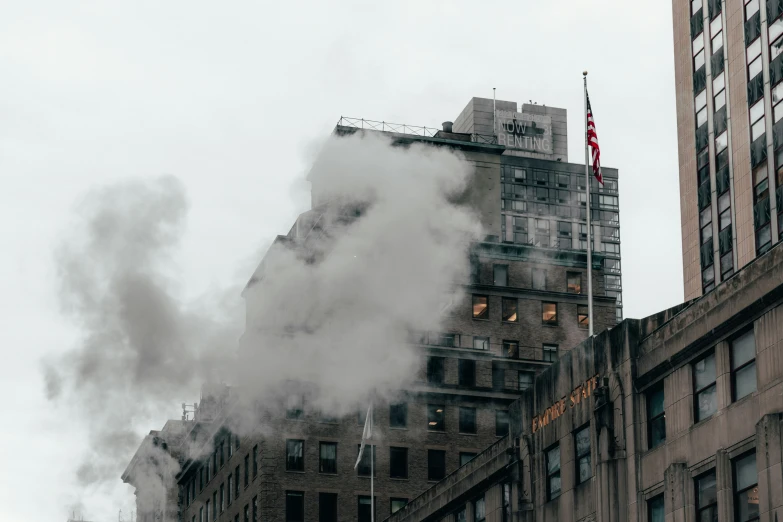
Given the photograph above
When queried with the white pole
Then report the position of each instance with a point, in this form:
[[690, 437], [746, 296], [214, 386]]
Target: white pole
[[372, 467], [494, 123], [589, 231]]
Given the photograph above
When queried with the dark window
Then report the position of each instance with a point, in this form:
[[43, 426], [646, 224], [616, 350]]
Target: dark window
[[501, 423], [506, 502], [461, 515], [509, 309], [480, 343], [553, 473], [706, 498], [500, 275], [247, 470], [743, 365], [549, 313], [327, 463], [398, 462], [656, 417], [435, 417], [655, 509], [436, 464], [582, 316], [201, 480], [584, 469], [525, 380], [465, 457], [246, 511], [398, 415], [294, 506], [467, 420], [564, 228], [746, 491], [574, 285], [222, 497], [511, 349], [434, 375], [479, 510], [466, 370], [539, 279], [236, 482], [294, 455], [480, 307], [255, 461], [397, 504], [229, 489], [550, 352], [327, 507], [295, 409], [705, 392], [365, 464], [214, 505], [498, 377], [221, 450], [366, 508], [254, 502]]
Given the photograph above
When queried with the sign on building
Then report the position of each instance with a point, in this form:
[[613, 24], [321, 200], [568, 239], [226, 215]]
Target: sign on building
[[529, 132]]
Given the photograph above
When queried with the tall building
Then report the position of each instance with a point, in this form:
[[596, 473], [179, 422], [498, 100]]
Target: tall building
[[728, 71], [524, 305]]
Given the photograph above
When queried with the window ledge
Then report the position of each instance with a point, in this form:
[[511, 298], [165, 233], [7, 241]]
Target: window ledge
[[404, 428], [468, 434], [294, 471], [399, 479]]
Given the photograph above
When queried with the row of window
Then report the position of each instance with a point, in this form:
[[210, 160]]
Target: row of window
[[205, 511], [742, 358], [480, 507], [518, 229], [540, 177], [582, 462], [509, 312], [515, 191], [398, 460], [538, 279], [202, 476], [366, 508], [705, 487]]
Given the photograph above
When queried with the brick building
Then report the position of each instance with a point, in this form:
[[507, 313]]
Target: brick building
[[524, 305]]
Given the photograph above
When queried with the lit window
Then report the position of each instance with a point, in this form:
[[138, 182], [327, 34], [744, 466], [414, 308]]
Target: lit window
[[435, 417], [549, 313], [582, 316], [743, 365], [553, 473], [480, 307], [746, 491], [705, 390], [584, 468], [656, 417], [574, 283], [511, 349], [509, 309]]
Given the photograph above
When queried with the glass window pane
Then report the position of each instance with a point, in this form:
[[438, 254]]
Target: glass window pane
[[657, 432], [778, 111], [701, 117], [725, 219], [705, 216], [480, 307], [695, 6], [775, 30], [743, 349], [706, 490], [754, 68], [585, 469], [510, 310], [745, 381], [721, 141], [720, 100], [751, 8], [583, 442], [719, 83], [698, 44], [656, 506], [554, 486], [716, 25], [701, 100], [757, 111], [706, 403], [723, 202], [500, 275], [704, 372], [698, 60], [553, 460], [748, 505], [655, 403], [746, 474], [753, 51]]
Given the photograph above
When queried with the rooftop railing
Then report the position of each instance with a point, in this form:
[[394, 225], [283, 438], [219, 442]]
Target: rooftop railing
[[385, 126]]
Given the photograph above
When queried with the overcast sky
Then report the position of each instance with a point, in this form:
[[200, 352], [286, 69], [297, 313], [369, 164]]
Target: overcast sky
[[231, 97]]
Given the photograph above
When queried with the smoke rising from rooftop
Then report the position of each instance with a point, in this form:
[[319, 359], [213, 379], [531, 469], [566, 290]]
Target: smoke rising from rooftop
[[331, 305]]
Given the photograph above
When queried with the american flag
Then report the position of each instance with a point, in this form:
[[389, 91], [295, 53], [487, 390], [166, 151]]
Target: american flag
[[592, 140]]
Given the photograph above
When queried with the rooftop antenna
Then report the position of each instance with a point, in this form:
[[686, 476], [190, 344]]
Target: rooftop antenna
[[494, 110]]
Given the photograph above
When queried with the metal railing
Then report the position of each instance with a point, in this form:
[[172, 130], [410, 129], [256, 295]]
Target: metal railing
[[385, 126]]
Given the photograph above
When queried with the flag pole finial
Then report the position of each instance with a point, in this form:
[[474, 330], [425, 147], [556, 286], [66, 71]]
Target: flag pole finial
[[584, 73]]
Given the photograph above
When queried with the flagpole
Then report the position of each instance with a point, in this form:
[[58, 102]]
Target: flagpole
[[589, 231], [372, 467]]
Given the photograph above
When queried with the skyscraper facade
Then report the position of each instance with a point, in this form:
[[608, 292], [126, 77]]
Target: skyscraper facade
[[728, 72]]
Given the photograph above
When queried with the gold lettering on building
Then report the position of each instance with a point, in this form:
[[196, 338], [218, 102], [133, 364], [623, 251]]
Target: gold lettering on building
[[580, 393]]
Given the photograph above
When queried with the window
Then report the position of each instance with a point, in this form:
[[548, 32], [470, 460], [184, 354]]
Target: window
[[255, 461], [549, 313], [229, 489], [582, 317], [539, 279], [500, 275], [435, 420], [236, 482], [584, 469], [398, 462], [705, 393], [525, 381], [434, 375], [255, 509], [328, 458], [506, 502], [465, 457], [550, 352], [656, 417], [498, 377], [511, 349], [481, 343], [221, 451], [295, 409], [467, 420], [294, 506], [655, 509], [746, 491], [366, 508], [397, 504], [436, 464], [564, 228], [246, 513], [479, 510], [236, 517], [553, 473], [222, 497], [510, 310], [327, 507], [294, 455], [365, 466], [501, 423], [480, 307], [706, 497], [467, 372], [230, 446], [247, 470], [743, 365], [201, 514], [214, 505], [398, 415], [574, 284]]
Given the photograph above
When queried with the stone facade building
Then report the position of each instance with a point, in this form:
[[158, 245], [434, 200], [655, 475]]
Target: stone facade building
[[673, 417]]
